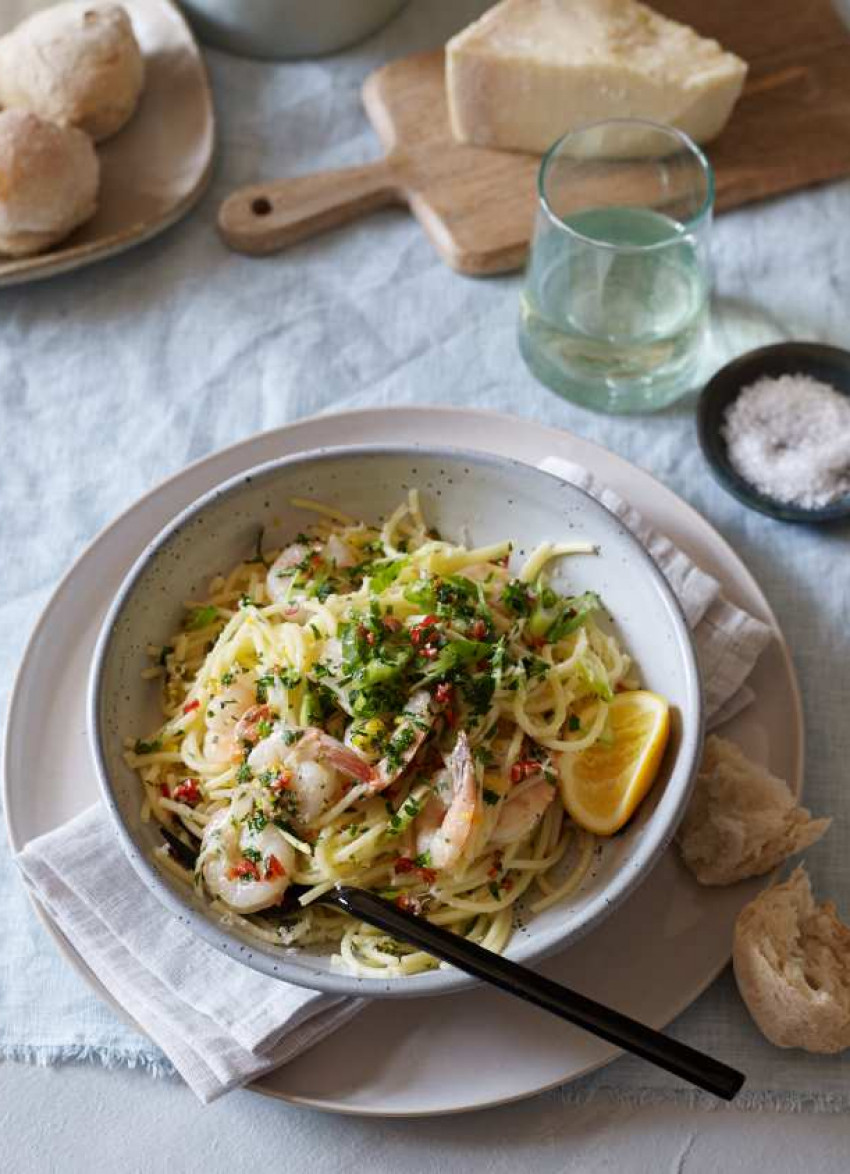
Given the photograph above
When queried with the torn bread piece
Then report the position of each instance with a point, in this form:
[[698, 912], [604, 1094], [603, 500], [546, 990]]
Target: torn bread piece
[[792, 966], [742, 821]]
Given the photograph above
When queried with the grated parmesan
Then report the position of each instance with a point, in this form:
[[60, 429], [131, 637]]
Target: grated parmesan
[[789, 437]]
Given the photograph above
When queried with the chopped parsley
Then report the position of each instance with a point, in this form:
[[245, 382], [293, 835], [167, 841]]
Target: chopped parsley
[[402, 819], [478, 692], [256, 821], [201, 617], [455, 655], [142, 747], [516, 598]]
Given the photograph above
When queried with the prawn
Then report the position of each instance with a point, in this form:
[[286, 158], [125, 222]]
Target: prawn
[[284, 568], [313, 765], [444, 827], [224, 714], [339, 553], [522, 811], [414, 725], [247, 867]]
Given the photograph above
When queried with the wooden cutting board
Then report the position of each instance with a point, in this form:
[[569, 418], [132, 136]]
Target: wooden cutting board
[[791, 128]]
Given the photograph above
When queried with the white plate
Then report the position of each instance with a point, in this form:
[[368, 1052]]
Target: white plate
[[158, 165], [651, 959]]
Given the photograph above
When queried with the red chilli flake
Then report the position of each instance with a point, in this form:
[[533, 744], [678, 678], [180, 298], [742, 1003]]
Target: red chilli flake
[[164, 791], [419, 632], [392, 624], [404, 864], [478, 630], [428, 875], [188, 792], [274, 868], [443, 693], [430, 651], [245, 868], [190, 705], [521, 770], [282, 781]]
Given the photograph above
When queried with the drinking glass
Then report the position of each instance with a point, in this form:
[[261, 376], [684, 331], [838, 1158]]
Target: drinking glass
[[615, 303]]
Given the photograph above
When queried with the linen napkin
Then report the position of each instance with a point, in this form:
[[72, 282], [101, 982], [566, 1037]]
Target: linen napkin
[[221, 1023], [728, 639]]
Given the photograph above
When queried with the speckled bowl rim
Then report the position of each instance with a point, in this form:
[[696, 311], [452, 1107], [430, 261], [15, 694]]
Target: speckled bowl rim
[[441, 981], [747, 367]]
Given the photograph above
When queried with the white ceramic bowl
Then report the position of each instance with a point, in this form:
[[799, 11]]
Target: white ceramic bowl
[[288, 29], [487, 497]]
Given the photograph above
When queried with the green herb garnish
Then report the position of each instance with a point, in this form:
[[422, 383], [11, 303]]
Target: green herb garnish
[[147, 747], [201, 617]]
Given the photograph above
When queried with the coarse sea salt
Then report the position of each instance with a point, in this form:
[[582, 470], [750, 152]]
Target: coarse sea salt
[[789, 436]]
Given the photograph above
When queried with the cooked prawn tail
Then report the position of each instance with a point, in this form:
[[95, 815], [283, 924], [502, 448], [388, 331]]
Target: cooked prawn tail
[[345, 760], [461, 766]]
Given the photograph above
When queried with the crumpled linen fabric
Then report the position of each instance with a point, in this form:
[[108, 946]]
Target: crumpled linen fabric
[[116, 376]]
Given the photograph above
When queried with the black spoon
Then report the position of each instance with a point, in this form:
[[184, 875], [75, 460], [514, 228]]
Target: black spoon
[[701, 1070]]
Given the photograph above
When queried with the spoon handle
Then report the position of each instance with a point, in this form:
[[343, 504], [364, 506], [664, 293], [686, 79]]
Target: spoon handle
[[701, 1070]]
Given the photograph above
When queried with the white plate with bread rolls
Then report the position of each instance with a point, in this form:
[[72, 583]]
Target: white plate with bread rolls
[[106, 130], [651, 959]]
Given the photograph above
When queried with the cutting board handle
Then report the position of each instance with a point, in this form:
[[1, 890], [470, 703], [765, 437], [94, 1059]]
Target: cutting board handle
[[269, 216]]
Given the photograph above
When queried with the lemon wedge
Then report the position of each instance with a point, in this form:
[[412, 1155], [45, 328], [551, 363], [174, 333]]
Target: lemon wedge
[[602, 786]]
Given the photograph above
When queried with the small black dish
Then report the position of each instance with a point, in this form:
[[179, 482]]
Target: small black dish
[[828, 363]]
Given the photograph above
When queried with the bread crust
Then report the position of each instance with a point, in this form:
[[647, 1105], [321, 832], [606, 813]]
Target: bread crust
[[49, 178], [76, 64], [742, 821], [792, 964]]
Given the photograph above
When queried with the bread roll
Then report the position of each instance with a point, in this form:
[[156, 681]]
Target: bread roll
[[741, 821], [77, 64], [792, 966], [49, 177]]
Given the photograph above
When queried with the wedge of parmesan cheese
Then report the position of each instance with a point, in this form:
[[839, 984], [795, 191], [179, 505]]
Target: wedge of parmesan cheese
[[530, 70]]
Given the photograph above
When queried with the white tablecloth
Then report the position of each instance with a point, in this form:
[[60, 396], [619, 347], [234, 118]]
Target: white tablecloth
[[114, 377]]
